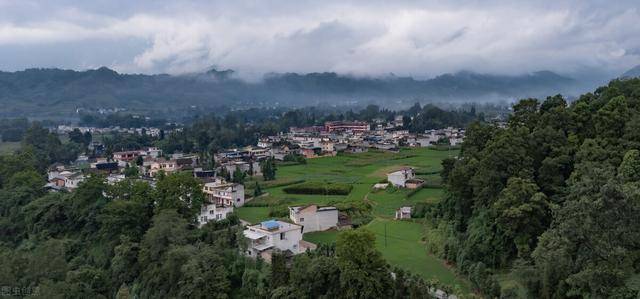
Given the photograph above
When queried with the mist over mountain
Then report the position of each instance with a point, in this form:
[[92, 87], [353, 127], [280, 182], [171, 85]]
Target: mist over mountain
[[41, 92], [634, 72]]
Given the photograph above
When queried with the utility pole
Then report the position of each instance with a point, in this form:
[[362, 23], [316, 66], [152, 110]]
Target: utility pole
[[385, 235]]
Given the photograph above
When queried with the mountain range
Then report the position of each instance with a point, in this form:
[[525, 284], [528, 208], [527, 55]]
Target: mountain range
[[634, 72], [43, 92]]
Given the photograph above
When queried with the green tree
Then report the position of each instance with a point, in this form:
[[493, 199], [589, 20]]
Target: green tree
[[257, 190], [205, 276], [629, 169], [180, 191], [363, 271], [522, 213], [268, 168], [238, 176]]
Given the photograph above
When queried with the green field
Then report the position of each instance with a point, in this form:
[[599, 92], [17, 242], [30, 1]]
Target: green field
[[404, 247], [253, 215]]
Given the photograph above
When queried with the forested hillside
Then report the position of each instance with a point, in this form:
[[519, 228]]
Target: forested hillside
[[56, 93], [553, 198], [131, 240]]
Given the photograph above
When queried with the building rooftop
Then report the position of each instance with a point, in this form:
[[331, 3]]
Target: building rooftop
[[273, 227]]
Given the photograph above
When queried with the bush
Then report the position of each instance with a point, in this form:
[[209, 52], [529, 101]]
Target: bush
[[296, 159], [319, 188], [362, 220], [279, 211]]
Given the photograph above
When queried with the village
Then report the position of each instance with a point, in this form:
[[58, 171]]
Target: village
[[222, 195]]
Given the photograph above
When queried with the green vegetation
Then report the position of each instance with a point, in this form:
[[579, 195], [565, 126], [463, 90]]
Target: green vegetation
[[403, 248], [7, 147], [549, 203], [319, 188], [253, 214], [361, 171]]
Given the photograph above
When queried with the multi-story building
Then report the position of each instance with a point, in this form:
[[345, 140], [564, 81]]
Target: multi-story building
[[314, 218], [272, 235], [126, 156], [352, 126], [220, 199]]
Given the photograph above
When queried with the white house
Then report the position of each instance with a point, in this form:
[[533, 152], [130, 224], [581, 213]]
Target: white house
[[220, 199], [312, 218], [72, 181], [403, 213], [399, 177], [274, 235]]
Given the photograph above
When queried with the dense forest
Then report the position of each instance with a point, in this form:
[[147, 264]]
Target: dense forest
[[553, 199]]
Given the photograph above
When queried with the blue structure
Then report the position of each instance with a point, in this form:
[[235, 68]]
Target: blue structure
[[270, 224]]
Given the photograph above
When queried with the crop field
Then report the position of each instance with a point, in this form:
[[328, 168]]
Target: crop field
[[404, 246]]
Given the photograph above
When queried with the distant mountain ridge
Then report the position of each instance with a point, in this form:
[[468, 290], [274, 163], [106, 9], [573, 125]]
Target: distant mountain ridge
[[634, 72], [47, 91]]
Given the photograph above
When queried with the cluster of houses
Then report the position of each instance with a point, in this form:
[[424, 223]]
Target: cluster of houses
[[150, 131], [148, 161], [353, 137], [222, 196]]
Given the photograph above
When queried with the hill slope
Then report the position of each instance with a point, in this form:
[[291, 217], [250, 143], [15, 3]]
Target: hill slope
[[43, 91], [634, 72]]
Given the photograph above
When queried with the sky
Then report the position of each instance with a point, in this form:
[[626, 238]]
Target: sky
[[368, 38]]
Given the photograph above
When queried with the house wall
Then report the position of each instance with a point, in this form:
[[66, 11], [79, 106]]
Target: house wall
[[399, 178], [238, 196], [396, 179], [290, 242], [316, 221], [209, 212]]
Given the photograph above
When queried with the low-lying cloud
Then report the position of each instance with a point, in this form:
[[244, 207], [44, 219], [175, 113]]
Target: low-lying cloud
[[363, 38]]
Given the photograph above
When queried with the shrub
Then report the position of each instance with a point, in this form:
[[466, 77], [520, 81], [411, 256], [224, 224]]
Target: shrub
[[319, 188], [278, 211]]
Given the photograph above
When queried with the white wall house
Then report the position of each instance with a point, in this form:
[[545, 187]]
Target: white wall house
[[272, 235], [399, 177], [313, 218], [73, 181], [220, 199], [403, 213]]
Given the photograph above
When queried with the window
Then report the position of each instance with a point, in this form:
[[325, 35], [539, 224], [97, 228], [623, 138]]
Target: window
[[282, 236], [218, 216], [301, 219]]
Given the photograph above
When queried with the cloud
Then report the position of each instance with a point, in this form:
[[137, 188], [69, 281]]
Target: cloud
[[365, 38]]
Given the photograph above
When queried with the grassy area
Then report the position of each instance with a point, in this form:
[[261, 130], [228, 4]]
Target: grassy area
[[9, 147], [253, 214], [361, 171], [385, 202], [326, 237], [404, 247]]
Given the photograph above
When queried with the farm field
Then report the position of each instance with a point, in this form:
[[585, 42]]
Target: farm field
[[404, 247], [362, 171]]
